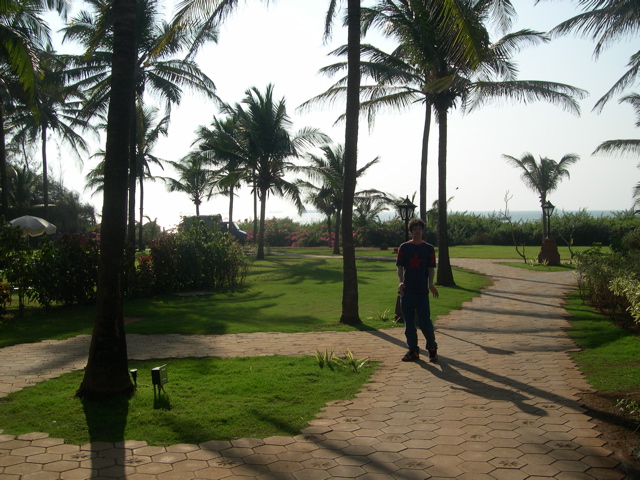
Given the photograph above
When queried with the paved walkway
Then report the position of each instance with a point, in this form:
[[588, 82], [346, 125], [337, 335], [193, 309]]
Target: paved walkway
[[501, 403]]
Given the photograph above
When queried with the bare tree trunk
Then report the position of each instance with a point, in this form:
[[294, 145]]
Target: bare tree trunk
[[423, 162], [4, 179], [336, 238], [140, 229], [445, 273], [106, 373], [263, 211], [133, 177], [350, 314], [45, 167]]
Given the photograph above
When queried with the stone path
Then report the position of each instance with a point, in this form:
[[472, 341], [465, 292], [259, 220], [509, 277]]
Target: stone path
[[500, 405]]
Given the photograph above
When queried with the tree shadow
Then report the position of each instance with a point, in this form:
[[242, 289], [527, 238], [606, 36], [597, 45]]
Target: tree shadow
[[106, 434]]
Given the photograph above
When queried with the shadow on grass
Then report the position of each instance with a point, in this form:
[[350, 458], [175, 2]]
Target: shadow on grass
[[109, 428]]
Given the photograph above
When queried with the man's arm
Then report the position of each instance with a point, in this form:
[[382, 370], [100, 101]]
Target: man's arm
[[400, 280], [431, 275]]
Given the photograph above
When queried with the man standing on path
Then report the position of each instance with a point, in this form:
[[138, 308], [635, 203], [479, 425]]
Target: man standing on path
[[416, 267]]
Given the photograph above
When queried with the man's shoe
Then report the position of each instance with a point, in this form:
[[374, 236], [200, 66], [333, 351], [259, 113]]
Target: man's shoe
[[411, 356], [433, 355]]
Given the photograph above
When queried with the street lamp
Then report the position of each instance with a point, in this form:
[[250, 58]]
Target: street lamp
[[547, 209], [549, 254], [406, 209]]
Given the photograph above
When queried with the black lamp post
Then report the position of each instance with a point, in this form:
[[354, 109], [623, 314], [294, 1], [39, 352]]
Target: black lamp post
[[406, 209], [548, 208], [549, 254]]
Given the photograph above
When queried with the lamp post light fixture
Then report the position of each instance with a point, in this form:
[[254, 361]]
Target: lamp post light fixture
[[549, 254], [547, 209], [406, 209]]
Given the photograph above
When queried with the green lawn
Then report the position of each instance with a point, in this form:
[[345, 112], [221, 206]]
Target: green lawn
[[460, 251], [282, 294], [259, 397]]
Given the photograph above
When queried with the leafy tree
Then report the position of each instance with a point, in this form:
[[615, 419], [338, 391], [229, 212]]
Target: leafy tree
[[267, 144], [156, 71], [328, 169], [220, 145], [194, 179], [542, 177], [627, 146], [58, 106], [464, 67], [23, 33], [606, 22]]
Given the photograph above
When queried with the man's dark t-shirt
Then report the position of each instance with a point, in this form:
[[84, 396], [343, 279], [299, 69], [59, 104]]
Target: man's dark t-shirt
[[416, 259]]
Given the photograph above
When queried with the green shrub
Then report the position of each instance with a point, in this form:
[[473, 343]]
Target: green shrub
[[65, 271], [195, 258]]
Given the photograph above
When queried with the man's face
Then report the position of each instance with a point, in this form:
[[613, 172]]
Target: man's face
[[416, 231]]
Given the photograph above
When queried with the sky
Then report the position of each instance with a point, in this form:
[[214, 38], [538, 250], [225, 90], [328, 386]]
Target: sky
[[282, 44]]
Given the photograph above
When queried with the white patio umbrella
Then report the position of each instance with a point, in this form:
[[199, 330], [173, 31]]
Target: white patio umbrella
[[33, 226]]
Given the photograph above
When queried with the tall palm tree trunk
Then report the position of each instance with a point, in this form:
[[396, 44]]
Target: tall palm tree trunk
[[423, 162], [45, 179], [350, 314], [230, 206], [106, 373], [336, 238], [133, 177], [263, 211], [4, 179], [255, 207], [140, 230], [445, 273]]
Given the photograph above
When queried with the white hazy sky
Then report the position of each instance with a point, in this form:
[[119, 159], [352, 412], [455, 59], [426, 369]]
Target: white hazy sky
[[282, 44]]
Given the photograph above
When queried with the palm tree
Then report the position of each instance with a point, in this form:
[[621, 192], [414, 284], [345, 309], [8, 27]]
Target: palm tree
[[148, 133], [465, 67], [58, 106], [328, 169], [221, 145], [543, 177], [157, 70], [607, 21], [194, 179], [267, 144], [627, 146], [23, 33], [106, 373]]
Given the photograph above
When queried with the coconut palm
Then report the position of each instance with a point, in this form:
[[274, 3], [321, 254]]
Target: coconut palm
[[626, 146], [157, 70], [267, 144], [449, 45], [194, 178], [58, 106], [23, 33], [543, 177], [328, 170], [221, 145], [106, 373], [606, 22]]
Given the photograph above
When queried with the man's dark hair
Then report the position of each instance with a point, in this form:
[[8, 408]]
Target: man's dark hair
[[416, 221]]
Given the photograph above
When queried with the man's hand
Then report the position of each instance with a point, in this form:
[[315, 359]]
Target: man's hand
[[401, 289], [434, 291]]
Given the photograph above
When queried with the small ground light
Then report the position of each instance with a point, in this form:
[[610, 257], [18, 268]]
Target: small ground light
[[159, 377], [134, 376]]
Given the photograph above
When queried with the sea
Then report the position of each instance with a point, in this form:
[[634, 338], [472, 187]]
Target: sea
[[516, 216]]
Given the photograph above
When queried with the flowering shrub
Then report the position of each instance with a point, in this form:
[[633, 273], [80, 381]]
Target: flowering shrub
[[65, 270], [195, 258]]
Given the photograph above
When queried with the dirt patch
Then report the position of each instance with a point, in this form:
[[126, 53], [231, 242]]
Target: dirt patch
[[131, 319], [619, 431]]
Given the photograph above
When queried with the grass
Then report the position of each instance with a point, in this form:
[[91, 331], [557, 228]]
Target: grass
[[609, 356], [281, 295], [459, 251], [205, 399]]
